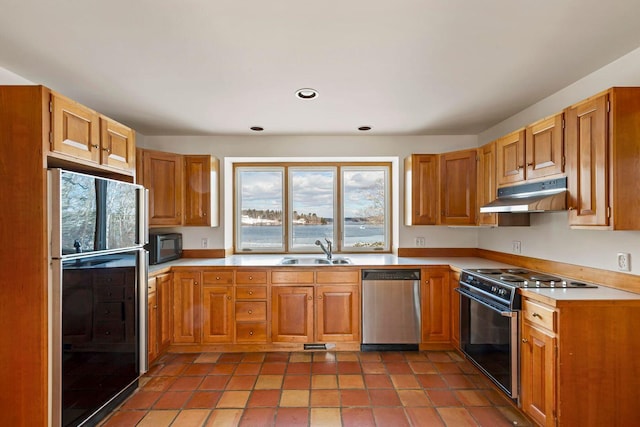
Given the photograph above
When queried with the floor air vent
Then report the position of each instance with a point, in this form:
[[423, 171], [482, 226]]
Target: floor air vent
[[315, 346]]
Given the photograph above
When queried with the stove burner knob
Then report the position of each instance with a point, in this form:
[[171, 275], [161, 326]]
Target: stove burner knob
[[552, 284], [564, 283], [494, 289], [537, 283], [525, 284]]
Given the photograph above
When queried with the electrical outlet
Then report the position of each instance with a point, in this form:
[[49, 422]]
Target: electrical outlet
[[624, 261], [420, 243], [204, 243], [516, 247]]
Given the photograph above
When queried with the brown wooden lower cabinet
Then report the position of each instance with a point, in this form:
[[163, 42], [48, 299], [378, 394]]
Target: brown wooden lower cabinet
[[152, 321], [436, 307], [579, 361], [159, 310], [454, 279], [338, 313], [292, 314], [187, 326], [217, 314]]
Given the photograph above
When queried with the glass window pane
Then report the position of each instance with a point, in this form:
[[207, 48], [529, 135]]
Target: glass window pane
[[365, 208], [260, 204], [312, 207]]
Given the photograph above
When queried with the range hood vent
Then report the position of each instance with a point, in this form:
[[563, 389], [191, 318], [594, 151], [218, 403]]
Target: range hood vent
[[544, 196]]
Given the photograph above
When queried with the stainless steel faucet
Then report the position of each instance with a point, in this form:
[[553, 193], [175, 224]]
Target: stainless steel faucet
[[327, 249]]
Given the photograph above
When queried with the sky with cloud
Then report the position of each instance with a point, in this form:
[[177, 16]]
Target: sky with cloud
[[313, 189]]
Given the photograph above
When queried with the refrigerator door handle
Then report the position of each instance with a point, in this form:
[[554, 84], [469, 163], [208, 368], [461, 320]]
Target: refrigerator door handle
[[143, 278]]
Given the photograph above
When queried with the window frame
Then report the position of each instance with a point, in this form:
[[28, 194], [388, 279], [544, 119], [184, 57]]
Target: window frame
[[287, 215]]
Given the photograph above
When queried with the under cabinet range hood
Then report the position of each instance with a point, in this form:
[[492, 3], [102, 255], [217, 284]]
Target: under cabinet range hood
[[544, 196]]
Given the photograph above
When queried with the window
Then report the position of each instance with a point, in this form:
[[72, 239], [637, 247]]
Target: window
[[288, 207]]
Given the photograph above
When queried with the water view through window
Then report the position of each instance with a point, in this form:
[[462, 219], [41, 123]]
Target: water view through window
[[313, 212]]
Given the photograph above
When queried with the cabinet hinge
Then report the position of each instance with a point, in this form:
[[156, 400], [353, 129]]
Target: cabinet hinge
[[608, 106], [608, 211], [562, 123], [50, 107], [51, 137], [563, 160]]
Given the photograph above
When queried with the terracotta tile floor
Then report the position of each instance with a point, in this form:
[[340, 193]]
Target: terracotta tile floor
[[436, 388]]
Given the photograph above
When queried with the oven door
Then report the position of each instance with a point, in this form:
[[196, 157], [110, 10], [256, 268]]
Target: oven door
[[489, 339]]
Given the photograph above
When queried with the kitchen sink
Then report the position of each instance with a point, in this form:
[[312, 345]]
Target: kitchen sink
[[314, 261]]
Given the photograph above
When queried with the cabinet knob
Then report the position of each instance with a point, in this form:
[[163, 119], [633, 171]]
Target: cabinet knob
[[229, 298], [155, 306], [426, 282], [250, 292], [520, 167], [524, 340], [106, 150], [250, 311], [94, 145], [310, 298], [250, 332], [108, 333], [319, 296], [537, 315], [250, 277], [217, 277], [195, 283], [204, 214]]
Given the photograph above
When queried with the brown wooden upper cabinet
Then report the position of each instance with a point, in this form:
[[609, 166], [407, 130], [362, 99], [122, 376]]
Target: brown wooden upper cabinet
[[603, 160], [487, 182], [530, 153], [421, 189], [182, 189], [83, 134], [458, 182]]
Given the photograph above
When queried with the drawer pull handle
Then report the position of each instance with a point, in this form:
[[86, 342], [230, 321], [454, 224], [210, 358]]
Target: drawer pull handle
[[250, 292], [250, 311], [537, 315], [250, 277], [217, 277], [250, 332], [524, 340]]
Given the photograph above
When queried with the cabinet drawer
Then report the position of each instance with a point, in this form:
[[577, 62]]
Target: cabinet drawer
[[251, 332], [251, 277], [251, 311], [217, 277], [351, 276], [109, 311], [292, 277], [539, 315], [251, 292]]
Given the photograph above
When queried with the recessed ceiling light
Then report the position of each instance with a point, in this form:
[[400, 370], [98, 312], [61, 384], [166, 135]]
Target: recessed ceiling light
[[307, 93], [364, 128], [257, 128]]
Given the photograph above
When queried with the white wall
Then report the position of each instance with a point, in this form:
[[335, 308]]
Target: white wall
[[549, 237], [318, 147], [9, 78]]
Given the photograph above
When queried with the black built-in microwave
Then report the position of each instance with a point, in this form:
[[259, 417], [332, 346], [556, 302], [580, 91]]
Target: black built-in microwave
[[164, 247]]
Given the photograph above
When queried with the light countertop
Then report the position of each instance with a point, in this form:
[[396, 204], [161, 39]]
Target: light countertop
[[388, 260]]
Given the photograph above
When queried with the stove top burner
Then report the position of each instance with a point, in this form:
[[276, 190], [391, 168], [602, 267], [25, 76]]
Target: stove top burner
[[523, 278], [511, 278], [544, 277], [488, 271]]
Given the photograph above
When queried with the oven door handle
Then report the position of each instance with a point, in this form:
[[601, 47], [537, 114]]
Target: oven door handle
[[478, 300]]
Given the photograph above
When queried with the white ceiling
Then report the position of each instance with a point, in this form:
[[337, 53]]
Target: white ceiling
[[403, 67]]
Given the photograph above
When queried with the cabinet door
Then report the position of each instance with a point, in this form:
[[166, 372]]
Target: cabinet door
[[75, 129], [421, 188], [197, 192], [587, 166], [338, 313], [436, 322], [186, 307], [538, 375], [487, 182], [152, 327], [117, 143], [454, 279], [165, 321], [544, 147], [510, 158], [458, 188], [292, 314], [163, 177], [217, 304]]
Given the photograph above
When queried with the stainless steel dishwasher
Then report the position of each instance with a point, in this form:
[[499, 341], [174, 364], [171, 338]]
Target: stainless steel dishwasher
[[390, 310]]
